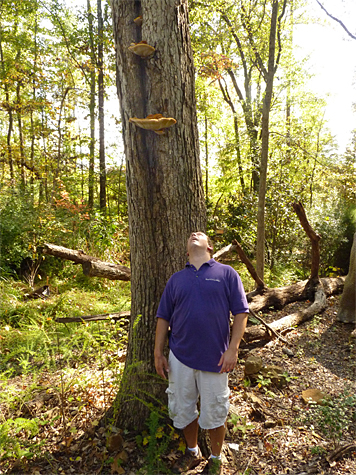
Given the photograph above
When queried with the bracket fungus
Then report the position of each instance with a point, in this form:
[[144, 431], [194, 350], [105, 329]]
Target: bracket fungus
[[141, 49], [155, 122], [138, 20]]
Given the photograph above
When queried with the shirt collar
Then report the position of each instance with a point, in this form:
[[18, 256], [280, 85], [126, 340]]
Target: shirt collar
[[210, 263]]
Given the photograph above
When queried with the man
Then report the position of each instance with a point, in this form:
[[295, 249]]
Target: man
[[196, 306]]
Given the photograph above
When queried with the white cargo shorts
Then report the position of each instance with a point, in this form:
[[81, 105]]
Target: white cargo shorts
[[186, 385]]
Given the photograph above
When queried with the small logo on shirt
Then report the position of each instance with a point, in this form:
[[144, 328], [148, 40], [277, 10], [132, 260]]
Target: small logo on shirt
[[215, 280]]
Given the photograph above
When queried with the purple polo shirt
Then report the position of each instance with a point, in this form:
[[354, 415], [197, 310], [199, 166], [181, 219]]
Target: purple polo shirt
[[197, 305]]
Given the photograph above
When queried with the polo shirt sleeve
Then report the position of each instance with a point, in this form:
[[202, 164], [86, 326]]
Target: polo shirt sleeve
[[238, 300], [166, 305]]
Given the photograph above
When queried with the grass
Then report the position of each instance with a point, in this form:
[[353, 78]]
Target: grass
[[29, 335], [80, 356]]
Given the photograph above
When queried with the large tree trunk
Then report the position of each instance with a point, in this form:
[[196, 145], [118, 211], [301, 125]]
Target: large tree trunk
[[347, 310], [164, 182]]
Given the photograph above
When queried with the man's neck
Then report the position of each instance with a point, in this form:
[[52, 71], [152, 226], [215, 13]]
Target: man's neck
[[197, 260]]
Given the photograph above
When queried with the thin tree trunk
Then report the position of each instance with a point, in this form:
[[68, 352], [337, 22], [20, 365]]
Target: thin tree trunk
[[9, 110], [102, 164], [59, 144], [9, 145], [32, 149], [44, 145], [19, 125], [228, 100], [260, 248], [91, 178]]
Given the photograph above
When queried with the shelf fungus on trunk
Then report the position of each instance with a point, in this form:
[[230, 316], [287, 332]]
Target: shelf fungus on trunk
[[142, 49], [155, 122], [138, 21]]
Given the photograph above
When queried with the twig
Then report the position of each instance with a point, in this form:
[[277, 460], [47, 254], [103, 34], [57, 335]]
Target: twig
[[337, 20], [93, 318], [270, 328], [340, 452], [248, 464]]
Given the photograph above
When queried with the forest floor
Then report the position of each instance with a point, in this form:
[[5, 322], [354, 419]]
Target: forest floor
[[268, 429]]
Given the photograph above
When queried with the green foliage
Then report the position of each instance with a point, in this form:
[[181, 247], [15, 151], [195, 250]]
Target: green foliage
[[335, 417], [31, 340], [240, 424], [155, 442], [336, 224], [18, 228], [317, 450], [11, 445]]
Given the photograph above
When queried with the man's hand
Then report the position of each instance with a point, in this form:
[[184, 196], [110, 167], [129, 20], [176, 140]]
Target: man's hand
[[161, 365], [161, 362], [228, 360]]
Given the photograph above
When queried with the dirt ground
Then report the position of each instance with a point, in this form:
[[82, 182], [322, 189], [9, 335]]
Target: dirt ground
[[267, 432]]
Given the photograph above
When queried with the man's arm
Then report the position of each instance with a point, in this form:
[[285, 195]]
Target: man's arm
[[229, 358], [161, 362]]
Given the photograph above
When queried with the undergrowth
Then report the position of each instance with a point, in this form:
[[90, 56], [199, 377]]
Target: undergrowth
[[33, 344]]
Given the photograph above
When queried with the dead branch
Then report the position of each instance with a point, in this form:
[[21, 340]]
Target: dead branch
[[92, 266], [250, 267], [313, 236], [269, 328], [340, 452], [93, 318], [337, 20], [235, 246]]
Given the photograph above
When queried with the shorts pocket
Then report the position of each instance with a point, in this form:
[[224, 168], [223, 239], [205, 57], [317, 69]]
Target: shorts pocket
[[223, 404], [172, 404]]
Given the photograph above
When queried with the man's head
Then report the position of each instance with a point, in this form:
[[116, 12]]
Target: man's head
[[199, 242]]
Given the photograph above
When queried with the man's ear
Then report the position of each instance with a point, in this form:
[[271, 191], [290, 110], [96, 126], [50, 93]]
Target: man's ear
[[210, 248]]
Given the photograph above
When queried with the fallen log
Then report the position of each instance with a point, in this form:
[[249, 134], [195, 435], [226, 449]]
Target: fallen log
[[92, 266], [260, 332], [93, 318], [279, 297]]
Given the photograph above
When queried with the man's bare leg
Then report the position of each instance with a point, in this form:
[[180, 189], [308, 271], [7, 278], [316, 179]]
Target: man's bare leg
[[191, 434], [217, 437]]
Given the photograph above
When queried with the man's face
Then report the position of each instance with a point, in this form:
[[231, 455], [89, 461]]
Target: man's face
[[198, 240]]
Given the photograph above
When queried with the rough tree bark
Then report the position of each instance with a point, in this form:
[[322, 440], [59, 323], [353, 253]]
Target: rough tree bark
[[347, 310], [164, 181]]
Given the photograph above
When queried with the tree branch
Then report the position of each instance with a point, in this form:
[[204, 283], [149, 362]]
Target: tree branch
[[337, 20]]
